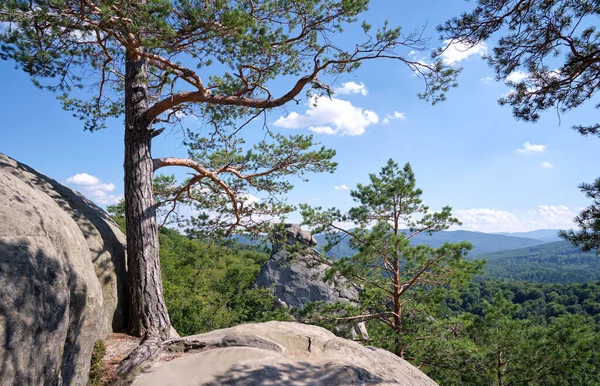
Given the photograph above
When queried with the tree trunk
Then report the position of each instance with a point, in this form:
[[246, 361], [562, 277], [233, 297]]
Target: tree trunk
[[398, 350], [148, 315]]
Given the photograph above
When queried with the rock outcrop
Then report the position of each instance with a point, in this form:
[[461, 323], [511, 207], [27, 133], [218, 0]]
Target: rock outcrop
[[282, 353], [62, 279], [299, 281]]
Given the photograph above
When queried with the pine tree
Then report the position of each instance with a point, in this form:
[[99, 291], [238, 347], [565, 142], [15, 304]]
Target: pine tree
[[397, 279], [153, 61]]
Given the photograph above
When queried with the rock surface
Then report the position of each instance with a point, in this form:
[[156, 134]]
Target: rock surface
[[62, 279], [283, 353], [300, 281]]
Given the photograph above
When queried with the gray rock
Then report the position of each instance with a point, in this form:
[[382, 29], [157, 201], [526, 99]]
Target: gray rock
[[283, 353], [62, 279], [298, 281]]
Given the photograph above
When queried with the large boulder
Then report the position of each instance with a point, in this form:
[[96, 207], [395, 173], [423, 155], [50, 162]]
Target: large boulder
[[282, 353], [62, 279], [297, 281]]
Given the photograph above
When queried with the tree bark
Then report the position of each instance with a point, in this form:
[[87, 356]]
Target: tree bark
[[148, 315]]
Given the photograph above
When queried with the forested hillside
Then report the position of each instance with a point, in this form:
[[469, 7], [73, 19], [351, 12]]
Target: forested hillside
[[208, 287], [557, 262]]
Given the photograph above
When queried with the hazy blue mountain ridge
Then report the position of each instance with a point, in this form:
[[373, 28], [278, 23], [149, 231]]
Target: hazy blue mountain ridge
[[482, 242], [547, 235], [509, 257]]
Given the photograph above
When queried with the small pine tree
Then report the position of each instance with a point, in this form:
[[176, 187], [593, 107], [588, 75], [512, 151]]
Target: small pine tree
[[399, 281]]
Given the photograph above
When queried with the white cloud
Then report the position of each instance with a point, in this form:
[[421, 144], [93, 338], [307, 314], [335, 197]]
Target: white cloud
[[487, 80], [487, 220], [341, 187], [330, 116], [347, 225], [83, 179], [351, 88], [394, 115], [555, 217], [493, 220], [529, 148], [516, 77], [93, 188], [547, 165], [458, 51]]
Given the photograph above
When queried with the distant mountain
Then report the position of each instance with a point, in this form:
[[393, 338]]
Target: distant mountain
[[482, 242], [547, 235], [557, 262]]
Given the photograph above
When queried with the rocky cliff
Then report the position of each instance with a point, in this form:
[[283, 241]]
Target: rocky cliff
[[299, 280], [62, 279]]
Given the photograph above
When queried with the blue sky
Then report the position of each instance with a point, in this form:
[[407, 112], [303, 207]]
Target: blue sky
[[498, 174]]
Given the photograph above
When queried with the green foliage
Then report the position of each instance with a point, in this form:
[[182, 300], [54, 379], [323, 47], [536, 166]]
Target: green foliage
[[538, 302], [500, 348], [214, 60], [588, 220], [265, 170], [207, 287], [401, 283], [97, 370], [117, 212], [532, 36]]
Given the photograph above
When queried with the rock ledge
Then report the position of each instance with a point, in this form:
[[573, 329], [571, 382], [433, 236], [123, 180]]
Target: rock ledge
[[283, 353]]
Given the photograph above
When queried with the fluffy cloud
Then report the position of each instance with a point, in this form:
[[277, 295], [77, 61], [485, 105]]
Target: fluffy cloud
[[547, 165], [492, 220], [341, 187], [516, 77], [529, 148], [83, 179], [457, 51], [330, 116], [351, 88], [559, 216], [93, 188], [394, 115], [487, 220], [487, 80]]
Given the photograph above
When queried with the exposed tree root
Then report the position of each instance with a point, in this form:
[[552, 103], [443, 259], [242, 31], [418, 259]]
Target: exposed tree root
[[151, 351]]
